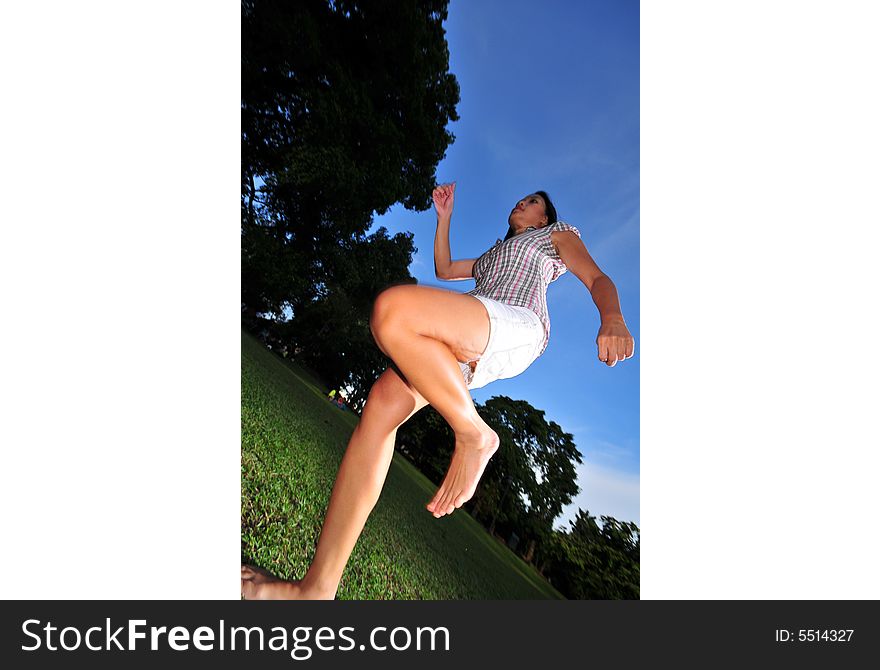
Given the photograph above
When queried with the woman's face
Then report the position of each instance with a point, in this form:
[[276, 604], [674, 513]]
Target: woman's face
[[530, 211]]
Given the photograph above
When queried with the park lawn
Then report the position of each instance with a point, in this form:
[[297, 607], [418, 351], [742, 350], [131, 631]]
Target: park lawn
[[292, 441]]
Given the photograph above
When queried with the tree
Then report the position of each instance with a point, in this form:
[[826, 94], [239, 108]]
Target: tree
[[344, 112], [549, 458], [527, 482], [593, 562], [508, 477], [428, 441], [332, 333]]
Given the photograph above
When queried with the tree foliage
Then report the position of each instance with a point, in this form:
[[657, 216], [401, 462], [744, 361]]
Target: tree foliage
[[344, 112], [523, 490], [593, 562], [527, 482], [427, 440], [541, 466], [333, 332]]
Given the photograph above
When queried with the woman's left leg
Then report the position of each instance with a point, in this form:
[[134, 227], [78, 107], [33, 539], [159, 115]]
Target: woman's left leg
[[356, 490]]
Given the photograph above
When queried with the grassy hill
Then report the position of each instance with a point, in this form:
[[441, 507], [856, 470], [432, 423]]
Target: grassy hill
[[292, 441]]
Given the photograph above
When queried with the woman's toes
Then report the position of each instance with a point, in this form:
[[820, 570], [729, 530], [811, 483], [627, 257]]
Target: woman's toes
[[435, 501], [443, 507]]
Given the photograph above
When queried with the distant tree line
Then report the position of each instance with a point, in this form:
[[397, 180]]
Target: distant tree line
[[526, 484]]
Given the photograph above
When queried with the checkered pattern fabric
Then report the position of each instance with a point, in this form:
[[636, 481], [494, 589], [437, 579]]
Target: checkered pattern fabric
[[519, 270]]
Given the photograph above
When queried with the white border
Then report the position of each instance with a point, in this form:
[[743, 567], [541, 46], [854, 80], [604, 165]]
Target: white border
[[759, 237], [120, 268]]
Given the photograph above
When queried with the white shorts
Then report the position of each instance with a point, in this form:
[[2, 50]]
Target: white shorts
[[515, 338]]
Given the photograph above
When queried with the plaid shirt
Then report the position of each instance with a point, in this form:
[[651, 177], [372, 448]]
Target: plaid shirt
[[519, 270]]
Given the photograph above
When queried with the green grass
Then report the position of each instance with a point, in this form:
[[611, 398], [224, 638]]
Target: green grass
[[292, 441]]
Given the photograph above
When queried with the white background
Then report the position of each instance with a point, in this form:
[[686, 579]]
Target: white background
[[120, 272]]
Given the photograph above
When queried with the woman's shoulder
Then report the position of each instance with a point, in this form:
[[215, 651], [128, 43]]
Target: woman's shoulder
[[561, 226]]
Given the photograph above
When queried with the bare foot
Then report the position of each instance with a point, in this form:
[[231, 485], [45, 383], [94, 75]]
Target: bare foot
[[258, 584], [465, 469]]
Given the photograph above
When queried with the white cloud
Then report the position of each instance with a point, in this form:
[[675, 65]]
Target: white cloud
[[604, 491]]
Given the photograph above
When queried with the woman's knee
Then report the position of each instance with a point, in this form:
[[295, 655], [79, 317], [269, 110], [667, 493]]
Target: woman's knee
[[387, 309], [392, 399]]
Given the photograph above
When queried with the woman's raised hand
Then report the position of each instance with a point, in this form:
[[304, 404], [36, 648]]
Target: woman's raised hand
[[444, 197]]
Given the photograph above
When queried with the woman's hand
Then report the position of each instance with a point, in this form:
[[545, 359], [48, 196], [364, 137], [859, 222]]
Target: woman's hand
[[444, 197], [615, 342]]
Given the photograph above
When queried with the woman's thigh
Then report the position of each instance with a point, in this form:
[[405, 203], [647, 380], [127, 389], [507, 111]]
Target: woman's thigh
[[456, 319]]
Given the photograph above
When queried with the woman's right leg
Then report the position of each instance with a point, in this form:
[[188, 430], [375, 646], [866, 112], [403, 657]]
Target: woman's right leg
[[356, 490], [427, 332]]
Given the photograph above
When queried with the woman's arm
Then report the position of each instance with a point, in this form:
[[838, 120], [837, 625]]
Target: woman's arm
[[614, 340], [444, 266]]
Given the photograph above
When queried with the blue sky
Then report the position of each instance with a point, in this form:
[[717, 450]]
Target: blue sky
[[550, 100]]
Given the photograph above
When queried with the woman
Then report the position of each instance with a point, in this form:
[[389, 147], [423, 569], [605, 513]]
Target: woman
[[443, 343]]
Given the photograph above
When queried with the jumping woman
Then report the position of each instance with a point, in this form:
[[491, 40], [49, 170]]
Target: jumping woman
[[442, 344]]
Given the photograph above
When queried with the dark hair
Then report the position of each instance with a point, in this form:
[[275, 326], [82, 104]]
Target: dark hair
[[549, 209]]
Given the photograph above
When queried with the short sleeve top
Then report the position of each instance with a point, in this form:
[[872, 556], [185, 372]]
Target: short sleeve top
[[519, 270]]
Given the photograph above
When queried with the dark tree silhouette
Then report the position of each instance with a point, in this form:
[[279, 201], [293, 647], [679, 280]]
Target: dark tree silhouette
[[547, 474], [344, 113], [593, 562]]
